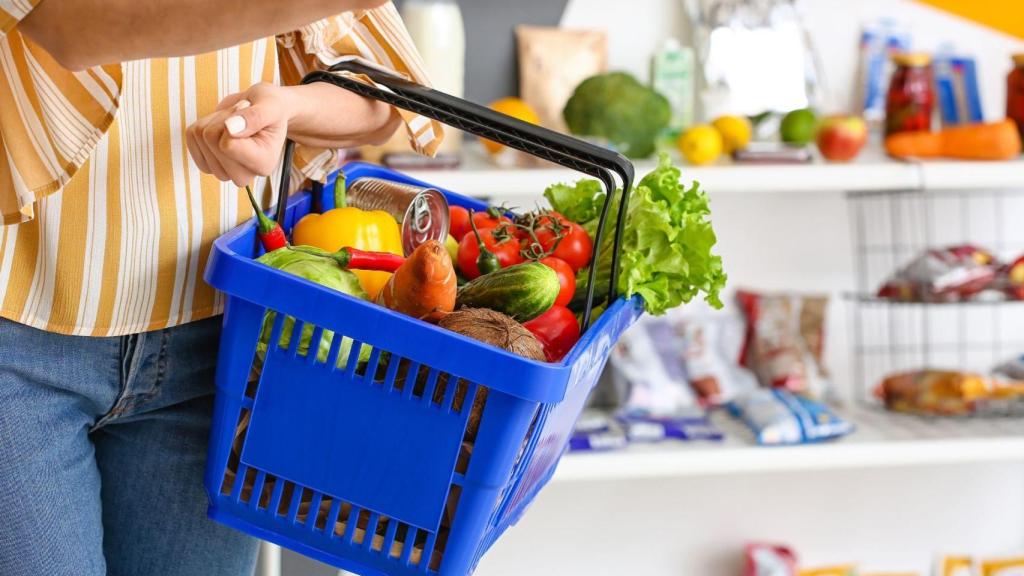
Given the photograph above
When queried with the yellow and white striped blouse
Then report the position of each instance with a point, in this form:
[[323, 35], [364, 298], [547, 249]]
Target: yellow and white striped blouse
[[107, 223]]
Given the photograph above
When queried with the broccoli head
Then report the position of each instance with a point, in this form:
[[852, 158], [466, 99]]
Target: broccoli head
[[617, 107]]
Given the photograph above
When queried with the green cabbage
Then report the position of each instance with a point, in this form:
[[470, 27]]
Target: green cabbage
[[666, 254], [324, 271]]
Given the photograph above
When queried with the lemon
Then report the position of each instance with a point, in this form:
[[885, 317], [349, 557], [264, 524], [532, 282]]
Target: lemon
[[515, 108], [701, 144], [735, 131]]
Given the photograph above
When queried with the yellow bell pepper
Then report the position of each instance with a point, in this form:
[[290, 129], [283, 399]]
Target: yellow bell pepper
[[374, 230]]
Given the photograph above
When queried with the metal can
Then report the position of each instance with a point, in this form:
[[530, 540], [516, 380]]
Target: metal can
[[422, 212]]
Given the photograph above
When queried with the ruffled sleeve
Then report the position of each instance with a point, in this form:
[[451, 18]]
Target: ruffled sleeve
[[50, 118], [377, 35]]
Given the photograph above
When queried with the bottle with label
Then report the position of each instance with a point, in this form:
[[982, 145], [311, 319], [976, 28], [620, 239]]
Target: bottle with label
[[672, 76], [437, 30]]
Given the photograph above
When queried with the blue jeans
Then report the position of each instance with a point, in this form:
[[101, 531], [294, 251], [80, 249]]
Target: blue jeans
[[102, 449]]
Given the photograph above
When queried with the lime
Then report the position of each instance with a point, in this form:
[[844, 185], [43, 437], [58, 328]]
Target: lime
[[799, 126]]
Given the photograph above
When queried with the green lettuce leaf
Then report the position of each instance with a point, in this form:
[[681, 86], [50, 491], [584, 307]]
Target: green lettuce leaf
[[579, 202], [666, 255]]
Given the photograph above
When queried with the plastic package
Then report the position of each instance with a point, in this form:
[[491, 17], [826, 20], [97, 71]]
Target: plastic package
[[649, 362], [778, 417], [946, 274], [785, 340], [955, 566], [1010, 566], [769, 560], [953, 393], [841, 570], [711, 347], [552, 62]]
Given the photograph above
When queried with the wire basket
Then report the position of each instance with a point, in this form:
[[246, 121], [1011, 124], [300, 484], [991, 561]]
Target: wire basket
[[416, 460], [892, 228]]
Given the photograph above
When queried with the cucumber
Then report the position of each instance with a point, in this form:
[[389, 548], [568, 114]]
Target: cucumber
[[523, 291]]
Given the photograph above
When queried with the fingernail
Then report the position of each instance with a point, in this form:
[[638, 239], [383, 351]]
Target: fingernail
[[242, 104], [235, 125]]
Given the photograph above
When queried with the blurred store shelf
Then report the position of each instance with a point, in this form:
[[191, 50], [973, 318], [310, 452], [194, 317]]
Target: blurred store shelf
[[882, 440], [872, 171]]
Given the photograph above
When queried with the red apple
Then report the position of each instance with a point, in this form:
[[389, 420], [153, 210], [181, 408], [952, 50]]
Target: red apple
[[840, 138], [1015, 279]]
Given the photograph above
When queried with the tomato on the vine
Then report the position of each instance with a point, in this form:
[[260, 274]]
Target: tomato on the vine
[[502, 244], [568, 242], [491, 218], [458, 222], [566, 279], [557, 330]]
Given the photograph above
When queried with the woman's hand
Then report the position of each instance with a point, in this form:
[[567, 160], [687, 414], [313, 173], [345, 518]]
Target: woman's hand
[[243, 138]]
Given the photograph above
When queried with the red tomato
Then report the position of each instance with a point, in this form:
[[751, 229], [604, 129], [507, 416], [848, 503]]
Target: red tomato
[[485, 221], [575, 246], [566, 279], [458, 222], [507, 252], [557, 330]]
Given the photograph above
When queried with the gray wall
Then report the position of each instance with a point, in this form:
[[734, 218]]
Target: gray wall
[[490, 42]]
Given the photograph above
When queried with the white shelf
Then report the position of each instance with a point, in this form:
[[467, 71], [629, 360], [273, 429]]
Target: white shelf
[[872, 171], [881, 440]]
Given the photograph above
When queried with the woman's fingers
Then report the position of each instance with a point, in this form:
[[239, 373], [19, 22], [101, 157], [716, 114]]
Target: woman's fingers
[[225, 166]]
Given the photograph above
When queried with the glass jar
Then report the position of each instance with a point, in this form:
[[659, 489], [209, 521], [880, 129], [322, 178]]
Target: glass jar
[[911, 96], [1015, 93]]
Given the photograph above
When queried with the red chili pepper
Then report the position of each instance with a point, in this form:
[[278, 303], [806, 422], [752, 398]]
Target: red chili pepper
[[269, 232], [355, 259]]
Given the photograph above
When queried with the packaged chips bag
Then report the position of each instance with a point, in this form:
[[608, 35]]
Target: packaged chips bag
[[955, 566], [1009, 566], [769, 560], [779, 417], [948, 274], [785, 340], [840, 570]]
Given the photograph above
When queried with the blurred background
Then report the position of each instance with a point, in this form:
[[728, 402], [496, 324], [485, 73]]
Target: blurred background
[[876, 278]]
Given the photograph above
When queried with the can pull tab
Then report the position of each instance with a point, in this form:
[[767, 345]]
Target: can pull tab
[[421, 217]]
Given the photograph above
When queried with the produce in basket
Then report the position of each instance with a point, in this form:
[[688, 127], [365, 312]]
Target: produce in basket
[[374, 230], [495, 329], [424, 286], [523, 291], [324, 270], [666, 253]]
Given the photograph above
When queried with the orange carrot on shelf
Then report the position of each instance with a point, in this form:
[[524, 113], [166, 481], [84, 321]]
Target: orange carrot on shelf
[[424, 286], [994, 141]]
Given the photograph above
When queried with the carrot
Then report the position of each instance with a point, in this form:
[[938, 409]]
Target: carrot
[[994, 141], [424, 286]]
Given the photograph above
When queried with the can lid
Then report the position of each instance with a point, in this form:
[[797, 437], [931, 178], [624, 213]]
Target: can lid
[[912, 59], [1018, 58], [425, 219]]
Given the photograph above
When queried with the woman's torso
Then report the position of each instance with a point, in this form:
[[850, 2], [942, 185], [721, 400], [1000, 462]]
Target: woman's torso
[[122, 248]]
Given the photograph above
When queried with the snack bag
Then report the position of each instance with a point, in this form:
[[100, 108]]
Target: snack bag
[[946, 274], [779, 417], [711, 349], [769, 560], [842, 570], [785, 340], [955, 566], [649, 357], [693, 425], [1013, 566], [597, 431], [932, 392]]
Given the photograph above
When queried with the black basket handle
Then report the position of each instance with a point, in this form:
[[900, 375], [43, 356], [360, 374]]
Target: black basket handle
[[481, 121]]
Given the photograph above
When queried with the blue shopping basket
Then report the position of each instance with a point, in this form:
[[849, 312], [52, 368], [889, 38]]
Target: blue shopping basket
[[376, 466]]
